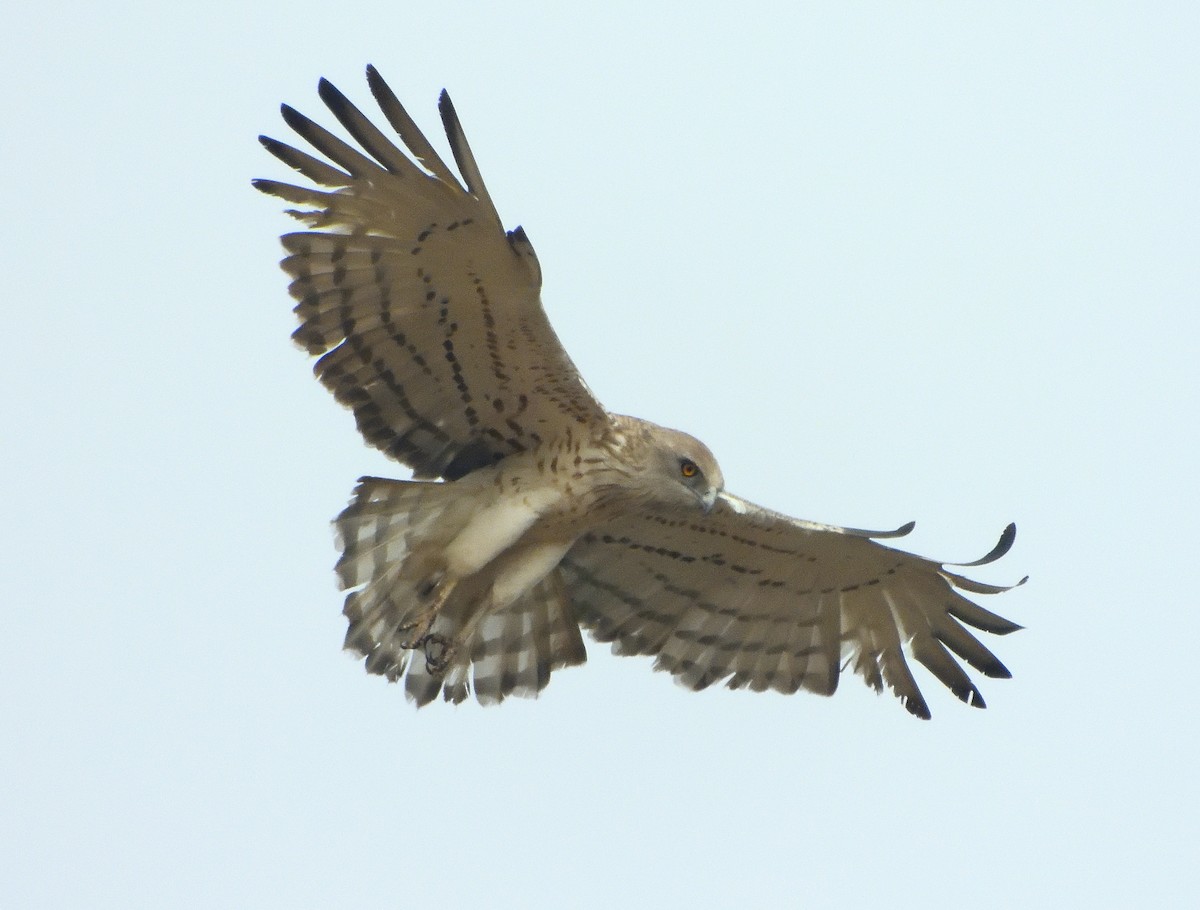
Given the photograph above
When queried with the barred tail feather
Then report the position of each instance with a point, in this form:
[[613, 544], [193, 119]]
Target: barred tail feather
[[511, 651], [392, 536], [385, 535]]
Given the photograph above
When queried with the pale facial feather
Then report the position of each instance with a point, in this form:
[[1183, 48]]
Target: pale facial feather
[[659, 453]]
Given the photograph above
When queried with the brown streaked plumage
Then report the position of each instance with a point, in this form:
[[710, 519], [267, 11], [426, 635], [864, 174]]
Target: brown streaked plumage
[[533, 510]]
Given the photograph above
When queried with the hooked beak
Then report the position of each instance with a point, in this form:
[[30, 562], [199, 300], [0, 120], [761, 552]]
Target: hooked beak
[[708, 500]]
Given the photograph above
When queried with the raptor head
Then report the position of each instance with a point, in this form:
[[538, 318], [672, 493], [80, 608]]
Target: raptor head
[[674, 468]]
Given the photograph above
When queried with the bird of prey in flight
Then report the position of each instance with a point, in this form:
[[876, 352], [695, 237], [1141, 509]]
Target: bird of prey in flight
[[533, 512]]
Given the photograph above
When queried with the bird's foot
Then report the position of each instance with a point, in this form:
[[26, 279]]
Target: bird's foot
[[438, 651], [420, 628]]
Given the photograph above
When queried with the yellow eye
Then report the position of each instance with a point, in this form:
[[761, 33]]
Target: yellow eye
[[688, 468]]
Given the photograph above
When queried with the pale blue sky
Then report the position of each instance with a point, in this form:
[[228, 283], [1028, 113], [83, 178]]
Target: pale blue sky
[[889, 260]]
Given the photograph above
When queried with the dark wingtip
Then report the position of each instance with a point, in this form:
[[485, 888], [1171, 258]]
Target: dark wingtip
[[330, 93], [274, 146], [995, 670], [375, 80], [449, 121], [972, 697], [520, 240], [917, 708], [271, 187], [295, 119], [881, 535], [1003, 545], [903, 531], [291, 116]]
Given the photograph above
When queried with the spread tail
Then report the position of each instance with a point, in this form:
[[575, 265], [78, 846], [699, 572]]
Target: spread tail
[[392, 536]]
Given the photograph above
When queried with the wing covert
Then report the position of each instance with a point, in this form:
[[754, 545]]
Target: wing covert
[[424, 313], [764, 601]]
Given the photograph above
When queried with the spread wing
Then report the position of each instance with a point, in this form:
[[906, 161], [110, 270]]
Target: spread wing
[[425, 313], [764, 601]]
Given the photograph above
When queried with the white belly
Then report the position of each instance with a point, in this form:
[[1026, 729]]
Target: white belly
[[523, 567], [498, 527]]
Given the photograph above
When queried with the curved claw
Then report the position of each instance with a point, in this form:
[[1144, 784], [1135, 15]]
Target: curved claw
[[438, 651]]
